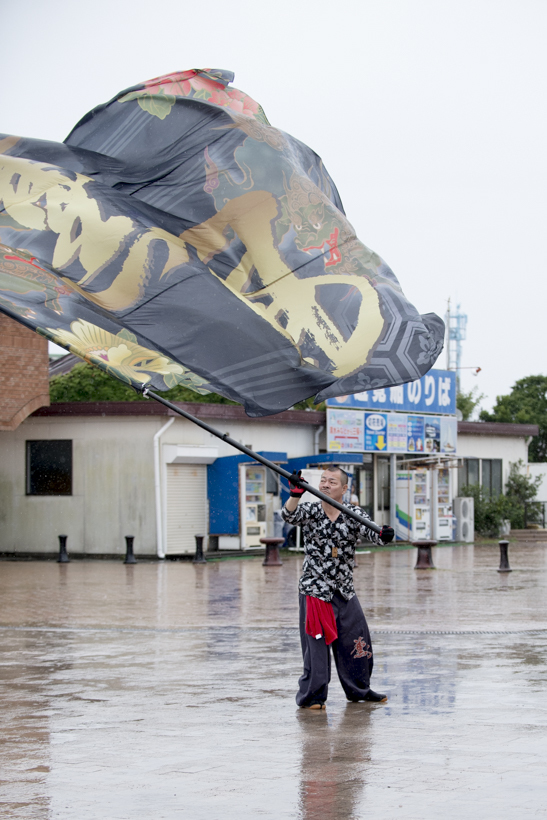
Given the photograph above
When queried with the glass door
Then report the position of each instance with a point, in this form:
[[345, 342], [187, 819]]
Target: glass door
[[254, 523], [364, 488]]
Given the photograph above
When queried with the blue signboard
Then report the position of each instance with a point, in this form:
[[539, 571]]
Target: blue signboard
[[434, 393]]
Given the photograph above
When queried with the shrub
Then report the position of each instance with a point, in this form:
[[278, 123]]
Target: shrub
[[490, 511], [520, 490]]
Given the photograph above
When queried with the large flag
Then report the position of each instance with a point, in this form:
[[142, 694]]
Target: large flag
[[176, 237]]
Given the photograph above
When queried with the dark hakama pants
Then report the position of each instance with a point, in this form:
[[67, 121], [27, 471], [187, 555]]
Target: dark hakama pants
[[352, 652]]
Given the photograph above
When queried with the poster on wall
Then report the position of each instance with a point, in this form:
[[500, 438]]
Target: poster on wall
[[356, 431], [432, 435], [345, 431], [396, 433], [449, 435], [415, 434], [376, 432]]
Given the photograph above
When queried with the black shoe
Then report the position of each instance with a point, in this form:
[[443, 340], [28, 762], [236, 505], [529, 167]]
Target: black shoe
[[375, 697]]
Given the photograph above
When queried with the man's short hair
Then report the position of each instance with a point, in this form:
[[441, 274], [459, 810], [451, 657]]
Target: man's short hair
[[334, 468]]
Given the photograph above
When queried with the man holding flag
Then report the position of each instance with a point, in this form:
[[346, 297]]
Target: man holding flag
[[330, 612]]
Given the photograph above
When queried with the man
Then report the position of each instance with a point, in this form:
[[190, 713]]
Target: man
[[329, 609]]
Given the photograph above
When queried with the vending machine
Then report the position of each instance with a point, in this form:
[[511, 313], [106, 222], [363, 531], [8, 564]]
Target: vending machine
[[413, 492], [253, 512], [444, 504]]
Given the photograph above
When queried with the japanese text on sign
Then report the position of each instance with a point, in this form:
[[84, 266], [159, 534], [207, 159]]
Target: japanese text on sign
[[346, 431], [434, 393], [355, 431]]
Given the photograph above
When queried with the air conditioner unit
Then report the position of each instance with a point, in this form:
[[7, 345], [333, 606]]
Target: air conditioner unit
[[464, 511]]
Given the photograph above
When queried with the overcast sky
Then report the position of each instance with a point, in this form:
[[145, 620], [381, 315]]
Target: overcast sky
[[429, 115]]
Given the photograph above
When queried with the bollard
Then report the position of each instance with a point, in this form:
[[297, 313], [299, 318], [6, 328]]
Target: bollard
[[199, 557], [129, 557], [271, 558], [424, 559], [63, 556], [504, 559]]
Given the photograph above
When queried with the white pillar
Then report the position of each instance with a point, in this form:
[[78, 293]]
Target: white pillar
[[375, 504], [160, 546], [393, 491], [434, 503]]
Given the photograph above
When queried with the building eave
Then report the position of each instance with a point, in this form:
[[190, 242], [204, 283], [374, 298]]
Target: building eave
[[233, 412], [496, 428], [222, 412]]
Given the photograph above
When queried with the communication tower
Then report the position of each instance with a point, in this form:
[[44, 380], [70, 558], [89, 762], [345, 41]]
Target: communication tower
[[456, 327]]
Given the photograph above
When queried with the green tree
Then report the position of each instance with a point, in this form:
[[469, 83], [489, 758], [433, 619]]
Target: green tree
[[525, 404], [468, 402], [309, 404], [85, 382]]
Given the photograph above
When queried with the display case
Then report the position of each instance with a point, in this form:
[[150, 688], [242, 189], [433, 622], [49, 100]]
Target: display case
[[413, 514], [444, 505]]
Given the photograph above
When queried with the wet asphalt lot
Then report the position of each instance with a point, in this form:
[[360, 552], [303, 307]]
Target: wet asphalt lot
[[167, 691]]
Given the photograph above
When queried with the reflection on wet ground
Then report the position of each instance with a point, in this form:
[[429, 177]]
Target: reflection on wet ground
[[167, 691]]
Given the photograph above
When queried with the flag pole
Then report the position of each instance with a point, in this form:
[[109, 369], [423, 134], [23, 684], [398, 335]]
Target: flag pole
[[267, 463]]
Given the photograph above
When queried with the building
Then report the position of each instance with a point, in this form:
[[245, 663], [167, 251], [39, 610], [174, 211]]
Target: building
[[24, 377], [487, 449], [99, 471], [536, 470]]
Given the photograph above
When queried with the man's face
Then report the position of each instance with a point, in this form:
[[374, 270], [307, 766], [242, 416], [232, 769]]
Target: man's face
[[331, 485]]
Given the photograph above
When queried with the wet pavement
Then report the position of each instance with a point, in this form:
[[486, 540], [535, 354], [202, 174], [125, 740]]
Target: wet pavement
[[167, 691]]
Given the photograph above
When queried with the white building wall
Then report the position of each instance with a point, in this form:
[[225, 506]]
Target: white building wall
[[509, 448], [293, 439], [113, 478], [113, 487], [113, 475], [539, 469]]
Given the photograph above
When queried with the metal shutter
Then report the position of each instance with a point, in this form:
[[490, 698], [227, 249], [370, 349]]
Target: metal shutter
[[186, 506]]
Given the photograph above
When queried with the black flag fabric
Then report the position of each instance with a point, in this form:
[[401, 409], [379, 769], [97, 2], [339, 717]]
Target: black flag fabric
[[176, 237]]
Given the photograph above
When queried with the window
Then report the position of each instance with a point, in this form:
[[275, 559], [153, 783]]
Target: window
[[49, 467], [487, 472], [491, 476], [468, 473]]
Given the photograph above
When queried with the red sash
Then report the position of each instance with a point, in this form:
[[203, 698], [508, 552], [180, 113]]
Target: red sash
[[320, 619]]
